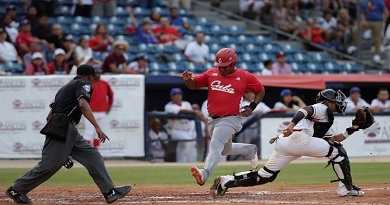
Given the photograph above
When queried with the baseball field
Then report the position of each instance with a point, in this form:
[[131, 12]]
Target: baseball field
[[302, 182]]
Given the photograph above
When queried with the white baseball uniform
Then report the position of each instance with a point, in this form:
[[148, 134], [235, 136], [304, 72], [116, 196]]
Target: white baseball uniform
[[182, 129], [157, 151], [351, 106], [378, 103]]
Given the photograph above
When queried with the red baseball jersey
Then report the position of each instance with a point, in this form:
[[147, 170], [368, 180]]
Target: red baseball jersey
[[225, 92]]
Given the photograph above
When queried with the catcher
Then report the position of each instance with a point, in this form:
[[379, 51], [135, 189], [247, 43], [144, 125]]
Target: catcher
[[308, 134]]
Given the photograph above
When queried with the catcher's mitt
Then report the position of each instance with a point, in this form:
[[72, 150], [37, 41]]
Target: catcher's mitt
[[363, 119]]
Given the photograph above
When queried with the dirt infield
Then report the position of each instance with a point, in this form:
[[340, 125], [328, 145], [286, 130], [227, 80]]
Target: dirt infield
[[277, 193]]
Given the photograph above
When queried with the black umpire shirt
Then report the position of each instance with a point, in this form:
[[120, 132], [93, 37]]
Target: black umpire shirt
[[66, 99]]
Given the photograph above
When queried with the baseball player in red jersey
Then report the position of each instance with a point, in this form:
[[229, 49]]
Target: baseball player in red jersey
[[226, 86]]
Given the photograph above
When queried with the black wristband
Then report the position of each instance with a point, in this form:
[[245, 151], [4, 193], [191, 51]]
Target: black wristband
[[252, 105], [350, 131]]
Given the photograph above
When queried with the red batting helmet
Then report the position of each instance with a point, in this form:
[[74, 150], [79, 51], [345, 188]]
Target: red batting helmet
[[225, 57]]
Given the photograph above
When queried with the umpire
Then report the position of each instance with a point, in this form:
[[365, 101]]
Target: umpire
[[72, 100]]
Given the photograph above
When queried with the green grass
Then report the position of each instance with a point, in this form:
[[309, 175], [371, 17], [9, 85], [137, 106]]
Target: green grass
[[295, 174]]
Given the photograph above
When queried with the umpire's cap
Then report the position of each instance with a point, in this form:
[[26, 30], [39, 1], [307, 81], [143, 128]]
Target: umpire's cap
[[86, 70]]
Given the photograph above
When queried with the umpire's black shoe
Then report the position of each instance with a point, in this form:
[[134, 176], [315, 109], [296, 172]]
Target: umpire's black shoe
[[117, 193], [18, 197]]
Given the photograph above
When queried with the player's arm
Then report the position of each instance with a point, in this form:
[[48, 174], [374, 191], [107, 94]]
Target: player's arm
[[87, 112], [188, 79], [298, 116]]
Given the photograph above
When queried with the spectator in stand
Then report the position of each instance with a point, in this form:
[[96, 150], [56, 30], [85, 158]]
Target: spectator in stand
[[293, 11], [82, 49], [182, 129], [86, 60], [155, 17], [333, 6], [59, 66], [283, 19], [11, 31], [34, 47], [24, 38], [37, 66], [83, 8], [281, 67], [288, 102], [32, 15], [45, 7], [101, 40], [104, 8], [267, 70], [115, 62], [8, 51], [166, 34], [57, 37], [348, 25], [11, 12], [184, 4], [250, 9], [306, 7], [139, 65], [382, 102], [42, 30], [101, 102], [328, 24], [197, 51], [69, 48], [354, 101], [373, 14], [159, 141], [144, 32], [313, 34], [177, 21]]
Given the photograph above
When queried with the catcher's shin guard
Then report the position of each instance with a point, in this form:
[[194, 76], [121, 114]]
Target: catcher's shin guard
[[251, 178], [341, 165]]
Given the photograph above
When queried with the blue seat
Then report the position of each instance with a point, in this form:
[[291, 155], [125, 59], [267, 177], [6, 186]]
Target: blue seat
[[302, 57], [299, 67], [14, 68], [77, 29], [64, 20], [121, 11], [263, 56], [139, 11], [237, 47], [245, 39], [206, 21], [289, 49], [253, 48], [159, 67], [82, 20], [315, 67], [214, 48], [262, 39], [179, 57], [236, 30], [320, 56], [333, 67], [227, 39], [117, 21], [272, 47], [351, 67], [63, 10], [210, 39]]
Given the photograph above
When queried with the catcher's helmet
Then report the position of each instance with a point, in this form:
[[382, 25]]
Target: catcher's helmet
[[225, 57], [333, 96]]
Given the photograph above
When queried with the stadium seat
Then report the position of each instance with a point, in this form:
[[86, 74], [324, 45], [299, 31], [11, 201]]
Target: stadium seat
[[121, 11], [253, 48], [214, 48], [262, 39], [333, 67], [320, 56], [227, 39], [265, 56], [206, 21], [302, 57], [289, 49], [158, 67], [236, 30], [272, 48], [14, 68], [351, 67], [63, 11], [315, 67], [245, 39], [179, 57], [64, 20], [210, 39], [82, 20], [117, 21]]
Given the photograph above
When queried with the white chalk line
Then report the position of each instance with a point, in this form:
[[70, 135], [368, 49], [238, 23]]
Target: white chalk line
[[179, 200]]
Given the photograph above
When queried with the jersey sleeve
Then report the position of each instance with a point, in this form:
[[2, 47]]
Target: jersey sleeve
[[201, 80], [253, 84], [83, 90]]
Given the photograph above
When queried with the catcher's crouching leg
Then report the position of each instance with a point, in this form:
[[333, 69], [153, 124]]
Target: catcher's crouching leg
[[341, 166]]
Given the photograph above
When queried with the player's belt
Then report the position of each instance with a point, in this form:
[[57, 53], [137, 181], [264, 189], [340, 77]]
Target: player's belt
[[217, 116]]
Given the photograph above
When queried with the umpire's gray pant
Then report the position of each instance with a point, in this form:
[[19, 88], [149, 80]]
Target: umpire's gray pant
[[54, 155]]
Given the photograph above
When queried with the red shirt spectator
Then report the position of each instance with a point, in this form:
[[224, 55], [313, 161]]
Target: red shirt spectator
[[24, 38], [59, 66], [102, 96], [37, 66], [312, 32], [165, 32], [101, 40]]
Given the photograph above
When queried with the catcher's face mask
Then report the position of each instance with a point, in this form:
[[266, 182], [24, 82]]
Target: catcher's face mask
[[340, 104]]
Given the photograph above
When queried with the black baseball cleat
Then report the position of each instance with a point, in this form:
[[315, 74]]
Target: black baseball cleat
[[18, 197], [117, 193]]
